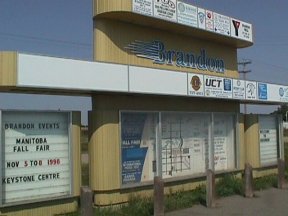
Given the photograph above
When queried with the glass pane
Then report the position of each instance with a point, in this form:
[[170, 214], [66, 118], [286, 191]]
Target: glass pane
[[184, 143], [268, 140], [137, 146], [224, 142]]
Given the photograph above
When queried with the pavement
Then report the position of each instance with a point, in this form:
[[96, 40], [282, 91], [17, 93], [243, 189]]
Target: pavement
[[270, 202]]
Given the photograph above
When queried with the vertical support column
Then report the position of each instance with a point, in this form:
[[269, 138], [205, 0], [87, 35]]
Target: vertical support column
[[86, 201], [158, 196], [281, 173], [248, 181], [210, 189], [158, 181]]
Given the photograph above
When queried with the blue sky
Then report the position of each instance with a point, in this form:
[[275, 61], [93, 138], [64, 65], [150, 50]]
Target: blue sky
[[64, 28]]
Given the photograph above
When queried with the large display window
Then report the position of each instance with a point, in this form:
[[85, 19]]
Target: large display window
[[268, 137], [180, 143], [138, 139], [184, 143], [224, 142], [35, 156]]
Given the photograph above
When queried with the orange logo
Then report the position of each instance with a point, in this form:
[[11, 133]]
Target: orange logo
[[196, 83]]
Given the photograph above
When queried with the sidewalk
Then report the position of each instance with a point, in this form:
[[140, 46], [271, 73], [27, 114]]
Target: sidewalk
[[270, 202]]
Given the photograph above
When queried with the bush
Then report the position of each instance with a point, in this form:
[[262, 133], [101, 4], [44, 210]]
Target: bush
[[265, 182], [229, 185], [186, 199]]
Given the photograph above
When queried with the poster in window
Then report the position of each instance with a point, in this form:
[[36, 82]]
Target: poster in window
[[184, 144], [137, 146]]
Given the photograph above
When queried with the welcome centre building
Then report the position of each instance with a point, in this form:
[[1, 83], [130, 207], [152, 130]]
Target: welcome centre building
[[166, 97]]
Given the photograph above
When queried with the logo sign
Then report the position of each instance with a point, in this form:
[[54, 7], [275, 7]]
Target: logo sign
[[238, 89], [201, 18], [283, 93], [157, 52], [209, 25], [262, 91], [218, 87], [143, 7], [251, 90], [195, 85], [165, 9], [222, 24], [187, 14], [241, 30]]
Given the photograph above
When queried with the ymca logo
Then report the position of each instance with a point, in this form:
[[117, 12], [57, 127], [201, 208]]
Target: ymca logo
[[236, 25]]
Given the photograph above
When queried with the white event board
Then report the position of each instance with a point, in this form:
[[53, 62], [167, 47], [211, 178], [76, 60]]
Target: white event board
[[35, 156]]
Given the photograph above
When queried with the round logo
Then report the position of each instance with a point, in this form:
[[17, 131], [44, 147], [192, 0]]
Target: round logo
[[196, 83], [181, 7], [281, 92]]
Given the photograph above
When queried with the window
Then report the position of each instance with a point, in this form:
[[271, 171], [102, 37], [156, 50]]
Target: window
[[186, 142]]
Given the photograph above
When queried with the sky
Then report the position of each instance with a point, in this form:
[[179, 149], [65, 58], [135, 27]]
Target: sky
[[64, 28]]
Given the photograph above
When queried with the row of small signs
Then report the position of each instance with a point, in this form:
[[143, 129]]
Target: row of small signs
[[186, 14], [219, 87], [35, 159]]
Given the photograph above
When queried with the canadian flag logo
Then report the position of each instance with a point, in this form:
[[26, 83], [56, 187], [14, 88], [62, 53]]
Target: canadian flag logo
[[236, 25]]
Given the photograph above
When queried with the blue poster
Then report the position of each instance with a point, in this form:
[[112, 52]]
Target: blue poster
[[262, 91], [227, 85], [133, 155]]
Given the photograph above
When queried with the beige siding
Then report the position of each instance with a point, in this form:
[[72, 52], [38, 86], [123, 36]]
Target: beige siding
[[100, 6], [104, 149], [252, 140], [8, 69], [76, 130], [242, 158], [111, 37]]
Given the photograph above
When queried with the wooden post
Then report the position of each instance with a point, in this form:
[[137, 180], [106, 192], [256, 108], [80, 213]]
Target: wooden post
[[158, 196], [281, 173], [248, 175], [210, 189], [86, 200]]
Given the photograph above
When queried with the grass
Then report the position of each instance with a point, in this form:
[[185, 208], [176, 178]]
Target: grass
[[229, 185]]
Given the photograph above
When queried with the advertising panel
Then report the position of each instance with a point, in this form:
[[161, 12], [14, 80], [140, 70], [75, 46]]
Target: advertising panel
[[195, 85], [262, 91], [277, 93], [251, 90], [137, 146], [201, 18], [187, 14], [218, 87], [238, 89], [222, 24], [165, 9], [144, 7], [268, 140], [36, 156], [241, 30], [209, 20]]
